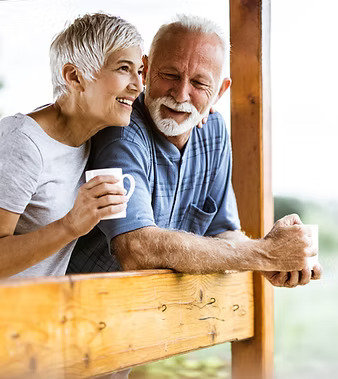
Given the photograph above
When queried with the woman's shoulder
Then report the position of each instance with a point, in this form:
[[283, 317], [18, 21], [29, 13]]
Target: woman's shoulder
[[16, 125], [17, 137]]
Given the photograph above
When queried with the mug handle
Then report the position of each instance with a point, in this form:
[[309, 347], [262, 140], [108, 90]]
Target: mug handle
[[132, 184]]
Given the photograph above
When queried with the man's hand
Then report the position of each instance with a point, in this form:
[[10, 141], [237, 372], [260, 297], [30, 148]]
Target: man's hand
[[287, 246], [293, 278], [205, 119]]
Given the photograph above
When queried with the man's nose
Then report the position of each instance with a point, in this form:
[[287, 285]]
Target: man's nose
[[181, 91]]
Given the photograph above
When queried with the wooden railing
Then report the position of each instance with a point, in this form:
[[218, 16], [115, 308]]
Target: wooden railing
[[86, 325], [83, 326]]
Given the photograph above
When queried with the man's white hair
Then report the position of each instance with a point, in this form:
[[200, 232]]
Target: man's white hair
[[87, 43], [191, 23]]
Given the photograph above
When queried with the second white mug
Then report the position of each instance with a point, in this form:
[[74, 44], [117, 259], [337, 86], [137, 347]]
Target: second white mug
[[314, 236]]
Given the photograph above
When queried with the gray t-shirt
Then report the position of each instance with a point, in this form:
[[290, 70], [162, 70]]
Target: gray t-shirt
[[39, 179]]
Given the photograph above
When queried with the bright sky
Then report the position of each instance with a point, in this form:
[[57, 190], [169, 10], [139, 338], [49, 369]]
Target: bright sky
[[304, 64]]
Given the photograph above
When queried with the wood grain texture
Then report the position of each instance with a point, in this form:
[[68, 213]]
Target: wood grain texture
[[82, 326], [251, 140]]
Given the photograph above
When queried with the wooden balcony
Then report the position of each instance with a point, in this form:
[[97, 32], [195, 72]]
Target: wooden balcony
[[86, 325]]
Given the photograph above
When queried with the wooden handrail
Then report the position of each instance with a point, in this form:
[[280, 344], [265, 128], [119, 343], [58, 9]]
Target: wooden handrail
[[85, 325]]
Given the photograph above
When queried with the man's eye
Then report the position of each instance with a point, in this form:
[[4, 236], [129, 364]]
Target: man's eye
[[124, 68], [140, 72], [198, 84], [169, 76]]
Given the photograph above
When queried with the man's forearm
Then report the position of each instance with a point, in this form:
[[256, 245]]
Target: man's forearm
[[153, 247], [285, 248], [233, 235]]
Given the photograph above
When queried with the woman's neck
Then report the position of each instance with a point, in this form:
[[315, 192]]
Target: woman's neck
[[66, 122]]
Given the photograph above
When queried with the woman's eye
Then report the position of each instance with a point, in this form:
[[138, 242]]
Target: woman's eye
[[124, 68]]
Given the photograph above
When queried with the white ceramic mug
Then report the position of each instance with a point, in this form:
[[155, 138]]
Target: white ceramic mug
[[314, 236], [117, 173]]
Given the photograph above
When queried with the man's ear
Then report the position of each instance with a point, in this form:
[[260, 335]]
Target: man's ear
[[73, 77], [145, 68], [224, 86]]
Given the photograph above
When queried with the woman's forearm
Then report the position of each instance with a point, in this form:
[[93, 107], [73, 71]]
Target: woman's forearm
[[18, 252]]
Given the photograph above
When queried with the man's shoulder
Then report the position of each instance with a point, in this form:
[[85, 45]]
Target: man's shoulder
[[216, 119], [136, 132], [215, 126]]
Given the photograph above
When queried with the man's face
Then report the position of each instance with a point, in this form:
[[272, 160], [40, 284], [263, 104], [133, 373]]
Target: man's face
[[183, 80]]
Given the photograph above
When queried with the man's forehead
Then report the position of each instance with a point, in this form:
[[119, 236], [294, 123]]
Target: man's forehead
[[189, 48], [185, 35], [177, 41]]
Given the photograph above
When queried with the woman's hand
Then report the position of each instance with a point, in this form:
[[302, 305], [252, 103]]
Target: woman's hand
[[205, 119], [98, 198]]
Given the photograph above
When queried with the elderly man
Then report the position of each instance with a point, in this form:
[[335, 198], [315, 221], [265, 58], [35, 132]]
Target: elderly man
[[183, 212]]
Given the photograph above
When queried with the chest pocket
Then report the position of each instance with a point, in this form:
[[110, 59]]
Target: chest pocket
[[197, 220]]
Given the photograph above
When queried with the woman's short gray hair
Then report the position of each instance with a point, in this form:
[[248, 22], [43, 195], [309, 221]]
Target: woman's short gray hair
[[87, 43], [191, 23]]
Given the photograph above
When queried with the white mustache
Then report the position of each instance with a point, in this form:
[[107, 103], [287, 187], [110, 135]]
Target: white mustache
[[179, 107]]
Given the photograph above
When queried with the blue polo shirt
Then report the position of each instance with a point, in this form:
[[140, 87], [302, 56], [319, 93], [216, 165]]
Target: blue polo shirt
[[189, 190]]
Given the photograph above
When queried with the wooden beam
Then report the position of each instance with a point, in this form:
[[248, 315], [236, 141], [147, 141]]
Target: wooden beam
[[85, 325], [251, 135]]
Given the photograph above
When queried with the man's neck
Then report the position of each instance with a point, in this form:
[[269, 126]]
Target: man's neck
[[180, 140]]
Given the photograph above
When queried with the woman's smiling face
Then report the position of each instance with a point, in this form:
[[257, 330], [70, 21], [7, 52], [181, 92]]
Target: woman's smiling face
[[108, 98]]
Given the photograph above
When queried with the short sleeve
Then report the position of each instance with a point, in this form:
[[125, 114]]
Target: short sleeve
[[134, 159], [20, 166]]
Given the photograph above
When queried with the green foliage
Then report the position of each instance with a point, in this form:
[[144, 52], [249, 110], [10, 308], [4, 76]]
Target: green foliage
[[306, 327], [325, 214], [184, 367], [287, 205]]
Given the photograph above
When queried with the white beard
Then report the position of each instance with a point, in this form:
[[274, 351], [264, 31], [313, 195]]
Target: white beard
[[169, 126]]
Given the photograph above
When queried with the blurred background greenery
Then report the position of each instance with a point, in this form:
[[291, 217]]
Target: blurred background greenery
[[306, 326]]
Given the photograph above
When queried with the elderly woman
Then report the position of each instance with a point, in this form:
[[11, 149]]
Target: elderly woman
[[96, 64]]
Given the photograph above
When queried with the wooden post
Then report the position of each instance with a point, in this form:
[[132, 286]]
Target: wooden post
[[250, 129]]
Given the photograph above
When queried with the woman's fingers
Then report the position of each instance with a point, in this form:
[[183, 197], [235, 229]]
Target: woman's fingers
[[100, 179], [106, 189], [111, 210], [107, 200]]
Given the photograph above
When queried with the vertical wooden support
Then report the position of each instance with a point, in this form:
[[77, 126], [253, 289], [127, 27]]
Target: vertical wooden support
[[250, 129]]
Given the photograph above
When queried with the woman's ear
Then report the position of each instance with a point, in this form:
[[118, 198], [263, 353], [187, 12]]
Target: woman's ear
[[145, 69], [73, 77]]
